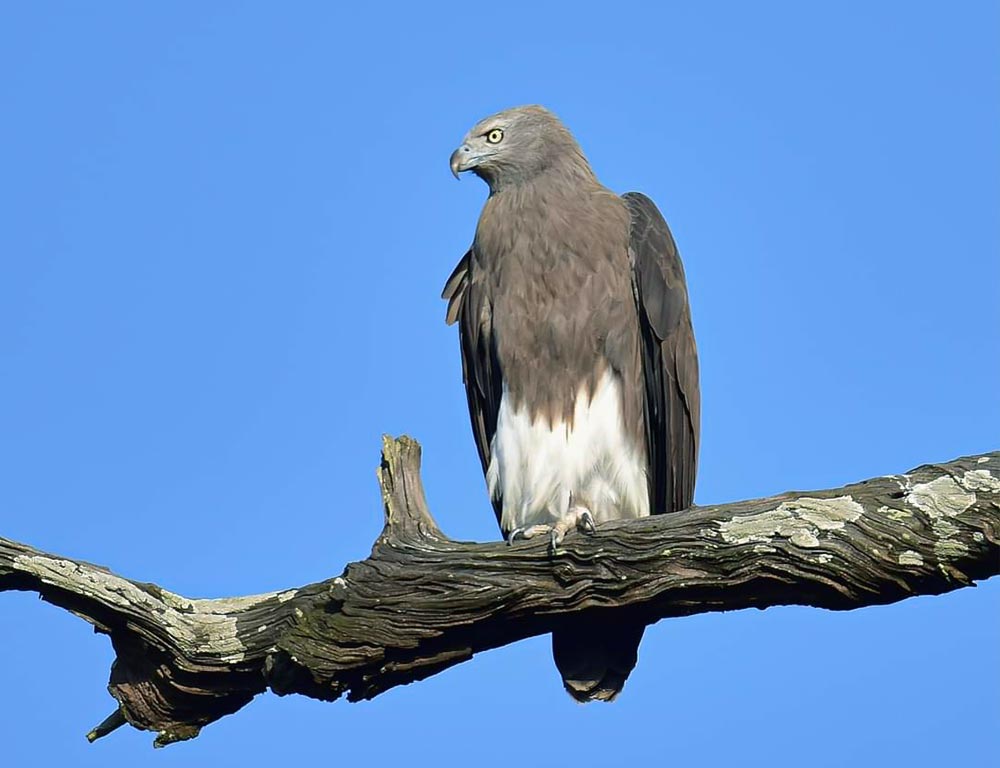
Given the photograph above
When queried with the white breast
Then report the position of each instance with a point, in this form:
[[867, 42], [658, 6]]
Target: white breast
[[536, 469]]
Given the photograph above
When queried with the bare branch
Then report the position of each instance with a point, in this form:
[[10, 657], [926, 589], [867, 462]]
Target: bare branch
[[421, 602]]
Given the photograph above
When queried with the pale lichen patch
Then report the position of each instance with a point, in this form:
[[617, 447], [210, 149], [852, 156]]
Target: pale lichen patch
[[948, 546], [944, 528], [940, 498], [227, 605], [903, 481], [821, 522], [950, 549], [894, 514], [804, 539], [222, 638], [192, 623], [980, 480], [909, 557], [800, 521], [827, 514], [91, 582], [824, 558], [763, 549], [176, 601], [743, 529], [982, 460]]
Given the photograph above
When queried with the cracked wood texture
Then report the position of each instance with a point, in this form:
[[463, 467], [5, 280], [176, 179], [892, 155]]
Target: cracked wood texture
[[422, 602]]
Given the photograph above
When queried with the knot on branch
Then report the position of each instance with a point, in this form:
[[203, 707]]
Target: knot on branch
[[407, 518]]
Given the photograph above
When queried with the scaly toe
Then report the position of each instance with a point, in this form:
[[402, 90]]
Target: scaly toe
[[555, 539], [529, 532]]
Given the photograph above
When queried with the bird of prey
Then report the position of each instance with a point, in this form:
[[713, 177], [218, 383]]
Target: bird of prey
[[578, 356]]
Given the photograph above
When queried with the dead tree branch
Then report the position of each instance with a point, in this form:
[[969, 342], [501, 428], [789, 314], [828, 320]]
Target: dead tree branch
[[422, 602]]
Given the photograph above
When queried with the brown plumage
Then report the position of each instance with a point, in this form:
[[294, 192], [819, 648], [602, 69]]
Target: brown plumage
[[578, 356]]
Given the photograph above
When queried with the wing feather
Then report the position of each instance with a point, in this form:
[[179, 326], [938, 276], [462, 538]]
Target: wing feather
[[469, 305], [669, 357]]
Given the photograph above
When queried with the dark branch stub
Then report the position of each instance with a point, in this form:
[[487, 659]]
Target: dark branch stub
[[407, 517], [112, 722], [422, 602]]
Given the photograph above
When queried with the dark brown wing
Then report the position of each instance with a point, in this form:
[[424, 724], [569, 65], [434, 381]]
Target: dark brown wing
[[669, 357], [469, 305]]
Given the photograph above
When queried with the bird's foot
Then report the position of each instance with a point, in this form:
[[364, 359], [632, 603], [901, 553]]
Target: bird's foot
[[578, 517], [583, 520]]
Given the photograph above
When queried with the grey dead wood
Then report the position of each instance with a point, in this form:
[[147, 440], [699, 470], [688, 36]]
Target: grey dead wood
[[422, 602]]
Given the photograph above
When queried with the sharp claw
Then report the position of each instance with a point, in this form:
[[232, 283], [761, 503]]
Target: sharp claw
[[556, 532]]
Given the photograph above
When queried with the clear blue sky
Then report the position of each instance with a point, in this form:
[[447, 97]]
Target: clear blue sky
[[225, 231]]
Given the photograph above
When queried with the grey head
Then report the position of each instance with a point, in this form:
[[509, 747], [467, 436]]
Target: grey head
[[518, 145]]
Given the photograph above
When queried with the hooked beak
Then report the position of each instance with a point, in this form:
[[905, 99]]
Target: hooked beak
[[462, 159]]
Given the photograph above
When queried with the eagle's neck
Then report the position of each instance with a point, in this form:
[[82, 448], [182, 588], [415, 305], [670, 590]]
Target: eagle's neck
[[568, 168], [557, 203]]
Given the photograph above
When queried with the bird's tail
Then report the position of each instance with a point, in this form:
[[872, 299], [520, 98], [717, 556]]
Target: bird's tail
[[595, 657]]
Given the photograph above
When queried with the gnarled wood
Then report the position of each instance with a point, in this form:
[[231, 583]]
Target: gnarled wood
[[422, 602]]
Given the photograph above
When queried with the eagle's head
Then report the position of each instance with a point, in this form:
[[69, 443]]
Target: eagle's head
[[515, 146]]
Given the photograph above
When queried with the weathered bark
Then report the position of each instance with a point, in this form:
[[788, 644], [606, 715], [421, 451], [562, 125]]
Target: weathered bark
[[422, 602]]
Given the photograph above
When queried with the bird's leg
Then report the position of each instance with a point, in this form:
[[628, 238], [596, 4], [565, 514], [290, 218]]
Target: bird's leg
[[577, 516]]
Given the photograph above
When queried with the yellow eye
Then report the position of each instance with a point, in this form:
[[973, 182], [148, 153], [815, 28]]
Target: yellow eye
[[495, 136]]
